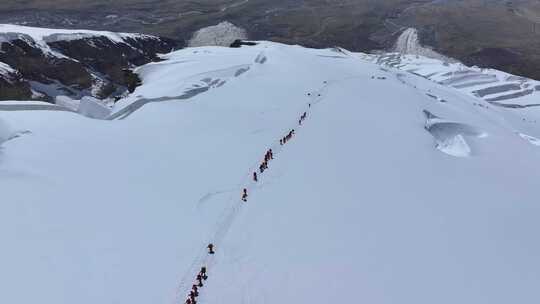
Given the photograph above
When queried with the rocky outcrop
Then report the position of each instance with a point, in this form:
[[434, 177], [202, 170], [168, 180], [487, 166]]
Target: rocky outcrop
[[11, 85], [239, 43], [49, 64]]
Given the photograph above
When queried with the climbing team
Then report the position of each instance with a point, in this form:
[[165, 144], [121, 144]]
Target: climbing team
[[270, 154], [263, 166], [202, 275], [302, 118], [194, 293], [288, 137], [244, 195]]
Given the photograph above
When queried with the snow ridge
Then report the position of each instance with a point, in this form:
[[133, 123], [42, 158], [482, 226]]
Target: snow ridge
[[450, 136], [204, 259]]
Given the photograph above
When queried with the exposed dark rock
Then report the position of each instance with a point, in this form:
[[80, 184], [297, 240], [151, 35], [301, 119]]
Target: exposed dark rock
[[33, 64], [95, 66], [132, 80], [492, 57], [504, 59], [238, 43], [15, 90]]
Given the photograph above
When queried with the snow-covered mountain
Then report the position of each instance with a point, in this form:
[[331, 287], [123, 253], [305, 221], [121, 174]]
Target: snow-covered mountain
[[45, 63], [398, 187]]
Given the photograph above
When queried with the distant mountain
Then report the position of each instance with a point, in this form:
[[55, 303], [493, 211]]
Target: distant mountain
[[500, 34], [38, 63]]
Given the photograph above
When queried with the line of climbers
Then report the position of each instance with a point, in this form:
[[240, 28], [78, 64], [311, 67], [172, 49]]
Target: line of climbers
[[302, 118], [267, 158], [264, 165], [270, 155], [194, 293], [201, 276], [287, 137]]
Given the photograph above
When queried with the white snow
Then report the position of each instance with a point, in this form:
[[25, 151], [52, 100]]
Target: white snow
[[67, 102], [222, 34], [533, 140], [486, 89], [6, 70], [408, 43], [487, 84], [22, 102], [359, 207], [93, 108], [5, 132]]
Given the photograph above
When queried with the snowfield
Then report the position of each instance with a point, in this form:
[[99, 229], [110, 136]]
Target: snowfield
[[5, 132], [395, 189]]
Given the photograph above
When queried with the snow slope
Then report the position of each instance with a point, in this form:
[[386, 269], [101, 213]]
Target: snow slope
[[5, 132], [364, 204]]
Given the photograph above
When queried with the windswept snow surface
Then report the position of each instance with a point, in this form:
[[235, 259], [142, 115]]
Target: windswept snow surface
[[358, 207], [5, 132], [515, 98]]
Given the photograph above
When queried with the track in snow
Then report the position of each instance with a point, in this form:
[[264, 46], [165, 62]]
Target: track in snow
[[228, 217]]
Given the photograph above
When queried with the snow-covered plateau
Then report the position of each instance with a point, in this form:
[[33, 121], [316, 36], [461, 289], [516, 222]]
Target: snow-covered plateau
[[398, 187]]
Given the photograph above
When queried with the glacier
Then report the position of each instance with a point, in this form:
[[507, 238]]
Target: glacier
[[360, 206]]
